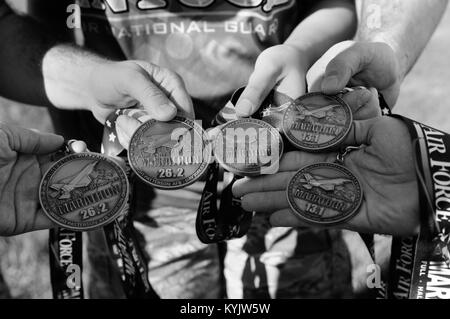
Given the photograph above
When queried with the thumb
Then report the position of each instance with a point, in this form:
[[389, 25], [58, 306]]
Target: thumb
[[260, 83], [342, 68], [360, 133], [31, 142], [141, 87]]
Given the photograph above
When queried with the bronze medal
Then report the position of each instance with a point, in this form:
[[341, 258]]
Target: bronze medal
[[324, 194], [317, 122], [248, 147], [169, 155], [84, 191]]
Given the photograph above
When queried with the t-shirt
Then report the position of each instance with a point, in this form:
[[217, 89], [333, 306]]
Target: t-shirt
[[212, 45]]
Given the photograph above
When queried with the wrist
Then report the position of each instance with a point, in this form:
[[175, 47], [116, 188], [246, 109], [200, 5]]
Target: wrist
[[68, 76], [399, 54]]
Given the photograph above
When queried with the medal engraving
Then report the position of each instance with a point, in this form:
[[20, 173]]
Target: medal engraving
[[317, 122], [169, 155], [248, 147], [324, 194], [84, 191]]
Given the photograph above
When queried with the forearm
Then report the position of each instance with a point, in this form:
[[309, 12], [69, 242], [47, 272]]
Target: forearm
[[35, 69], [331, 21], [66, 73], [405, 25]]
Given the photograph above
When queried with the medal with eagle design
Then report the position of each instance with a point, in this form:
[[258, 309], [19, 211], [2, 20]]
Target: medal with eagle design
[[317, 122], [84, 191], [169, 155], [324, 194]]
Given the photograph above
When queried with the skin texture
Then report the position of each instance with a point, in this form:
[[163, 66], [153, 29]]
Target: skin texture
[[285, 66], [391, 36], [24, 158], [384, 166], [41, 72]]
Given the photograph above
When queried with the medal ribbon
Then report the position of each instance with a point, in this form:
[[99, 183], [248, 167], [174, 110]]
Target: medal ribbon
[[65, 251], [420, 265], [65, 255], [231, 220], [120, 234]]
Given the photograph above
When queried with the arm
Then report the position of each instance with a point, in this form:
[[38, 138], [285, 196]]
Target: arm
[[400, 24], [285, 66], [391, 36], [330, 21], [36, 69]]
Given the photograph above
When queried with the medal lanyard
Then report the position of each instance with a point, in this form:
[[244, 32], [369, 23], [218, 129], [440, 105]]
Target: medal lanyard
[[420, 265], [121, 234], [65, 256], [230, 221]]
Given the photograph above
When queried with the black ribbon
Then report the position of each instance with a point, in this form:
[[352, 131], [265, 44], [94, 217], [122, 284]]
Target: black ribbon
[[121, 234], [66, 263]]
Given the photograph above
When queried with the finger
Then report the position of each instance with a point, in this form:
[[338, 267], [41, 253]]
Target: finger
[[42, 222], [172, 85], [126, 126], [138, 84], [293, 161], [266, 183], [371, 109], [260, 83], [293, 85], [266, 202], [357, 98], [360, 132], [31, 142], [77, 146], [287, 218], [342, 68]]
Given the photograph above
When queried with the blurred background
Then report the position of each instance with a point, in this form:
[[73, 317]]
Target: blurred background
[[24, 259]]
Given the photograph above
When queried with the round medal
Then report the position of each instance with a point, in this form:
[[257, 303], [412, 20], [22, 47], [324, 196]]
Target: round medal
[[169, 155], [248, 147], [317, 122], [324, 194], [84, 191]]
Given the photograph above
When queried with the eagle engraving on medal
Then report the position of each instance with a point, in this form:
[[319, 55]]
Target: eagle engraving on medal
[[317, 122], [84, 191], [324, 194], [169, 155]]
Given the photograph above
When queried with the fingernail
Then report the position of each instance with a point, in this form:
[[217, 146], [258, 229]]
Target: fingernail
[[165, 112], [364, 97], [119, 122], [330, 83], [244, 108]]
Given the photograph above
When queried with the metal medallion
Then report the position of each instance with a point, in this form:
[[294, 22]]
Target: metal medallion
[[248, 147], [317, 122], [169, 155], [84, 191], [273, 111], [324, 194]]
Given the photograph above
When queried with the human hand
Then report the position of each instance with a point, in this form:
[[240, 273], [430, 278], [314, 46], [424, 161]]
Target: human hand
[[282, 67], [367, 64], [157, 90], [384, 166], [23, 161]]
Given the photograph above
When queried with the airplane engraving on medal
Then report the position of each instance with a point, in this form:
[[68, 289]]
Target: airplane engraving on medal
[[67, 185], [319, 113], [310, 181], [162, 140]]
